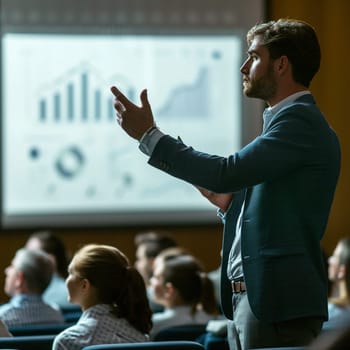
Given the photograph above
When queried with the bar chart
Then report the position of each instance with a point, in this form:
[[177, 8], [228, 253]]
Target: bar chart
[[78, 96]]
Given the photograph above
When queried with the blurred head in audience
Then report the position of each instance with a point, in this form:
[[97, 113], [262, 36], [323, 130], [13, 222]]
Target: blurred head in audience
[[180, 280], [148, 246], [169, 253], [30, 272], [53, 245], [27, 277], [339, 269], [101, 274]]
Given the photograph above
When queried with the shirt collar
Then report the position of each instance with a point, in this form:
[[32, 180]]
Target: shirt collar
[[288, 100], [20, 298]]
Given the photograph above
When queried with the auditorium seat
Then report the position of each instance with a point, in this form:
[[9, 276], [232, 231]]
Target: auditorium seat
[[184, 332], [39, 329], [33, 342], [161, 345]]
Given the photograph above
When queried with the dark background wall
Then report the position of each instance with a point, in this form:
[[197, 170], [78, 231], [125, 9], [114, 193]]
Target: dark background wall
[[330, 87]]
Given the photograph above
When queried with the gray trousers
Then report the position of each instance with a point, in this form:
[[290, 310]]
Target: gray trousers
[[247, 332]]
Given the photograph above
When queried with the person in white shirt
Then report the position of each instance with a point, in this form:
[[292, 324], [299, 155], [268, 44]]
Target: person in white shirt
[[187, 294], [148, 245], [27, 277], [112, 296]]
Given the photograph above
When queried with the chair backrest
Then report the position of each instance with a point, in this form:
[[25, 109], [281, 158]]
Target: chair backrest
[[161, 345], [185, 332], [39, 329], [283, 348], [35, 342], [71, 313], [212, 341]]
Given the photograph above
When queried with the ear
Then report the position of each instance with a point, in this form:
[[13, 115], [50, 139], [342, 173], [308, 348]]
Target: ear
[[20, 280], [85, 285], [282, 63]]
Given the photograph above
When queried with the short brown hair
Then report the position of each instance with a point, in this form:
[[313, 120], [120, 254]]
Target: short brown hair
[[295, 39]]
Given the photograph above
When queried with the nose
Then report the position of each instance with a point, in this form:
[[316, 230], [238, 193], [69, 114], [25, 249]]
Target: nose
[[245, 67]]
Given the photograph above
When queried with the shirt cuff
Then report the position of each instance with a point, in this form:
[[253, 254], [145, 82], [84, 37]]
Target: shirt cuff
[[149, 140]]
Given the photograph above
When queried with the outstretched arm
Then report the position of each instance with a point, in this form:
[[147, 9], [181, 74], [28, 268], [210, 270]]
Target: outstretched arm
[[137, 120], [133, 119]]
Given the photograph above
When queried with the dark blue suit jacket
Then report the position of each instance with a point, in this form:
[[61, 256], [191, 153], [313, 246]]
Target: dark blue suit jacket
[[286, 178]]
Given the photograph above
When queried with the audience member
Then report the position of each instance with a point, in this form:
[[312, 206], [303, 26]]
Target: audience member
[[186, 293], [339, 275], [148, 246], [56, 293], [27, 277], [113, 298]]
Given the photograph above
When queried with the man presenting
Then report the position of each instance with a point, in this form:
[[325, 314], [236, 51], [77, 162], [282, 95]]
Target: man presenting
[[274, 195]]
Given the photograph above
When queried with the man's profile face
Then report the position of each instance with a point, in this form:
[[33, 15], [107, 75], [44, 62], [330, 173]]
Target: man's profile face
[[258, 72]]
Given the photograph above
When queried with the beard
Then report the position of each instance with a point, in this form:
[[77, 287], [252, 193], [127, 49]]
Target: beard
[[263, 87]]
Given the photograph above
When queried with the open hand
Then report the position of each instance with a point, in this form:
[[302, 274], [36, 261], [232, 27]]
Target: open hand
[[133, 119]]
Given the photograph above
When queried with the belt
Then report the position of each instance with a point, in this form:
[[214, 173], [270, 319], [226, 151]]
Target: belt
[[238, 286]]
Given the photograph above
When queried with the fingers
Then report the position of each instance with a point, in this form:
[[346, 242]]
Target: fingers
[[144, 99], [119, 106], [115, 91], [121, 98]]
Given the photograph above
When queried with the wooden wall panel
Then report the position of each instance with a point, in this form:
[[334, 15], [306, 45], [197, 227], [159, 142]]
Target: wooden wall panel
[[330, 87]]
